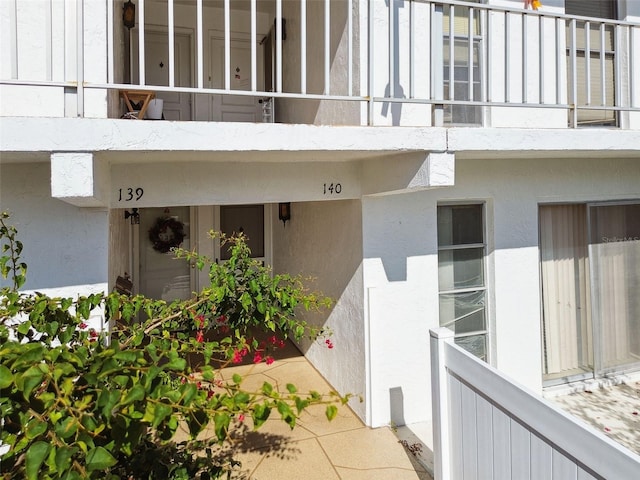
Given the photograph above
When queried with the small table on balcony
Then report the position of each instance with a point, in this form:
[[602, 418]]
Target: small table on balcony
[[137, 96]]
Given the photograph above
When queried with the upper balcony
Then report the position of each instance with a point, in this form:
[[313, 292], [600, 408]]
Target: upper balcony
[[348, 62]]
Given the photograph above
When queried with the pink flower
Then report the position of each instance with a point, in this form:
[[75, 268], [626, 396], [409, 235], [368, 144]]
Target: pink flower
[[200, 320], [329, 343], [82, 325], [237, 356], [210, 394], [257, 357], [269, 360], [222, 319], [241, 417], [199, 385], [200, 336]]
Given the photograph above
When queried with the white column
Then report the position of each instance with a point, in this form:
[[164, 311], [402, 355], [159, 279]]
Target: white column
[[440, 403]]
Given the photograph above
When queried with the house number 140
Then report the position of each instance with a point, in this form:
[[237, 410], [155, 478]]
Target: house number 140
[[129, 194], [331, 188]]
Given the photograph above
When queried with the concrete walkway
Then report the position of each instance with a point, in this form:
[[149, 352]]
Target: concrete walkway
[[316, 449]]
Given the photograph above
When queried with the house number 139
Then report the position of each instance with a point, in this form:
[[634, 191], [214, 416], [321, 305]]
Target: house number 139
[[332, 188], [129, 194]]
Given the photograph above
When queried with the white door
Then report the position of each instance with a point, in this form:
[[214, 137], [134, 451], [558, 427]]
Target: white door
[[160, 275], [177, 106], [234, 108]]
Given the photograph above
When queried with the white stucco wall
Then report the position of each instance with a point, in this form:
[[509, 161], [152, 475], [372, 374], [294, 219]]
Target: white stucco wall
[[64, 246], [323, 241], [401, 279]]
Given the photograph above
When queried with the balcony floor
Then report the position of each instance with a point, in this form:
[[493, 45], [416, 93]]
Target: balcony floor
[[613, 410]]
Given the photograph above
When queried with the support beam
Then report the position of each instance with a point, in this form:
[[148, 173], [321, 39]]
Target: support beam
[[79, 179], [408, 173]]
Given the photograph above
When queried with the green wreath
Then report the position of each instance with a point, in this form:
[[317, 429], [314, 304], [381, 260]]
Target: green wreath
[[167, 233]]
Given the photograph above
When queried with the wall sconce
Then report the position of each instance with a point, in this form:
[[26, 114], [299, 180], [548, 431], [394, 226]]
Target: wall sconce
[[134, 215], [284, 212], [129, 14]]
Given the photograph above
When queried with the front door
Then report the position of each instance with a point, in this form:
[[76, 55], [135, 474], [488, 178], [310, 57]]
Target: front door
[[234, 108], [160, 275], [177, 106]]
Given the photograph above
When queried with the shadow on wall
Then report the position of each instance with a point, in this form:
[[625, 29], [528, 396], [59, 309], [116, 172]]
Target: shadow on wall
[[316, 111], [323, 242]]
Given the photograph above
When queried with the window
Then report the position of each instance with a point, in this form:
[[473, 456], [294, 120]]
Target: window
[[457, 86], [590, 268], [594, 73], [246, 219], [461, 275]]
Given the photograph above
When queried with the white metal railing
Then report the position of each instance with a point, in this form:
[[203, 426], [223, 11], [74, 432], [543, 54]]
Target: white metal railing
[[478, 56], [487, 426]]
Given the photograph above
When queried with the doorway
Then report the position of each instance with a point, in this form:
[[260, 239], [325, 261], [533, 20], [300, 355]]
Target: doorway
[[161, 276], [590, 268], [177, 105], [234, 108]]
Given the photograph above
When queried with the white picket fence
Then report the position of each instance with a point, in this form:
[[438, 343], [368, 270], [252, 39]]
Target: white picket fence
[[488, 427]]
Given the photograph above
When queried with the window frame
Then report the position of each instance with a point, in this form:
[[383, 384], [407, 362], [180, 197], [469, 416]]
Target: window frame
[[487, 331]]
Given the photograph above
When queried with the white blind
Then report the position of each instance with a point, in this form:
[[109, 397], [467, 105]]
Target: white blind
[[565, 280]]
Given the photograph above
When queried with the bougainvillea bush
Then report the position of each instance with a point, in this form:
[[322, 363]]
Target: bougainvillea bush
[[146, 398]]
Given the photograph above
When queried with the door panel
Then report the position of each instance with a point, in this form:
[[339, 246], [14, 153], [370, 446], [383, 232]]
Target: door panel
[[160, 275], [177, 106], [231, 108]]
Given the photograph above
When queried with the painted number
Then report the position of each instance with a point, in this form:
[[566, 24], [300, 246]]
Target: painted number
[[332, 188], [130, 194]]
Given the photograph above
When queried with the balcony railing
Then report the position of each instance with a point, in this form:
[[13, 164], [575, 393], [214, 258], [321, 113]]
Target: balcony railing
[[400, 62]]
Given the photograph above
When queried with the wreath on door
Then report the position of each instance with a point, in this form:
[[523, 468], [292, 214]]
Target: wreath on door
[[166, 233]]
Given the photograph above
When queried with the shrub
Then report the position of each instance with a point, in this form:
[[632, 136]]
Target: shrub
[[77, 403]]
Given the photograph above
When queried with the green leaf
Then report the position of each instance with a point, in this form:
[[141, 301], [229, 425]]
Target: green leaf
[[135, 394], [221, 425], [29, 380], [177, 364], [63, 458], [291, 388], [237, 379], [6, 378], [189, 391], [24, 327], [34, 458], [260, 414], [99, 459], [161, 412], [83, 307], [35, 428], [67, 427], [331, 412], [286, 414], [267, 388]]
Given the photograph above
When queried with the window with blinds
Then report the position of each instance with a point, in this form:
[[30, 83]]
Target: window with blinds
[[594, 62]]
